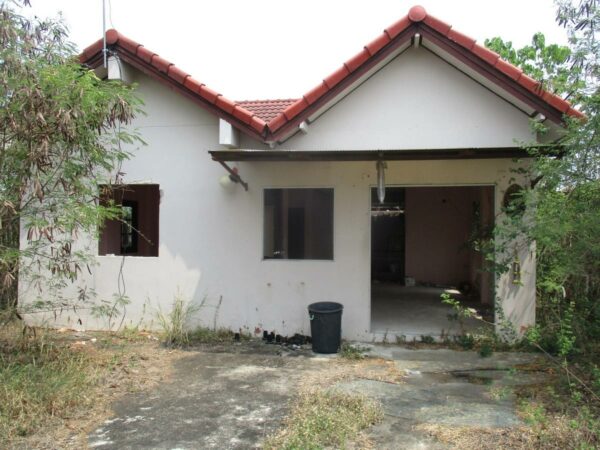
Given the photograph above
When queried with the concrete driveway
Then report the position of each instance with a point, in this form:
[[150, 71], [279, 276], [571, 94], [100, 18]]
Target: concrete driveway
[[232, 397]]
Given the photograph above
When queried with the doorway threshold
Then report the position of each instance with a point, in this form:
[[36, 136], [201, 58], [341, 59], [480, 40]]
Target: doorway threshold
[[403, 313]]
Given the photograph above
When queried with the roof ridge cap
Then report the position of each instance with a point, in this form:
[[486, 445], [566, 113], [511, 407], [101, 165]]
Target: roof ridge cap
[[270, 100]]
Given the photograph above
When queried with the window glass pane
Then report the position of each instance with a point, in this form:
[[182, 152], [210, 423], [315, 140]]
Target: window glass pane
[[298, 224], [128, 227], [127, 212]]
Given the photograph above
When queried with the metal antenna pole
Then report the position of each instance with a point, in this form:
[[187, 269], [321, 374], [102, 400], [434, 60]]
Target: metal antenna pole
[[104, 32]]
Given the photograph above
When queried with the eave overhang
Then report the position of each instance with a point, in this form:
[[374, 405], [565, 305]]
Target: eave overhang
[[366, 155]]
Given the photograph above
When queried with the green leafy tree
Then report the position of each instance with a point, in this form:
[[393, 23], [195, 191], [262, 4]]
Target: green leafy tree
[[566, 192], [546, 63], [61, 130]]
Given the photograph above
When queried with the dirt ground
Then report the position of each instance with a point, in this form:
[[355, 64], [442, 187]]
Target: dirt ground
[[130, 364], [232, 396]]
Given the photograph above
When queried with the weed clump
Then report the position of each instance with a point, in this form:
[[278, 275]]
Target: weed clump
[[354, 352], [175, 324], [324, 419], [177, 332], [205, 335], [426, 339], [466, 341]]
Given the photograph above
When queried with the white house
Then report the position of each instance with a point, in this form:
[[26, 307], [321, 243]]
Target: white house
[[260, 208]]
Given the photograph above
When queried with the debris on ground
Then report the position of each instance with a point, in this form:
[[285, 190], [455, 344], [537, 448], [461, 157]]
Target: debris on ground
[[294, 342]]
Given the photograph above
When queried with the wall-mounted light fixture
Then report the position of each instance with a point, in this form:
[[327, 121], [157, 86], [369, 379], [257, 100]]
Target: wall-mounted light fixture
[[381, 166], [229, 180]]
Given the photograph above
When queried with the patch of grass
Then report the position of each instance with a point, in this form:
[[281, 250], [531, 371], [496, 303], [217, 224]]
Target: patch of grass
[[533, 413], [426, 339], [561, 414], [355, 352], [323, 419], [486, 349], [466, 341], [176, 331], [175, 324], [553, 419], [579, 429], [56, 384], [132, 334], [204, 335], [39, 381]]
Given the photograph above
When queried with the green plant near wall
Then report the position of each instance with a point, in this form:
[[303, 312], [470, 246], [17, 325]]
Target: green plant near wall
[[561, 204], [175, 324]]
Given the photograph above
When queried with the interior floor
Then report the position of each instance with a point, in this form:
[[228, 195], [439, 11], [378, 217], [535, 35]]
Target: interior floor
[[417, 311]]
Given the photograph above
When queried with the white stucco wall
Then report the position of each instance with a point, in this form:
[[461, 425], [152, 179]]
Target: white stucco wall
[[418, 101], [211, 239]]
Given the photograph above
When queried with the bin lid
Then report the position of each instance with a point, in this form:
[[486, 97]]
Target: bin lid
[[325, 307]]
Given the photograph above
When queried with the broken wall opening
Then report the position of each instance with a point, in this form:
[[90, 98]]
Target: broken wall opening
[[424, 242]]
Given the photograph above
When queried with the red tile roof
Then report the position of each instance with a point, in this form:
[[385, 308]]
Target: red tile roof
[[270, 120], [419, 21], [149, 62], [267, 109]]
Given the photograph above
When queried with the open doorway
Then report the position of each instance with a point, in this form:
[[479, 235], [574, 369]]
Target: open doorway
[[423, 243]]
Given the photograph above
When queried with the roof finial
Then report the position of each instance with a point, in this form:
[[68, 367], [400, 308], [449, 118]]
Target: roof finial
[[417, 13]]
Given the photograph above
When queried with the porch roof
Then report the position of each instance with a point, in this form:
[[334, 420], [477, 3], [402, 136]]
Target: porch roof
[[366, 155]]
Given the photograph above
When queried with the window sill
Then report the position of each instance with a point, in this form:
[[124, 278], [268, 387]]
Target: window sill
[[127, 256]]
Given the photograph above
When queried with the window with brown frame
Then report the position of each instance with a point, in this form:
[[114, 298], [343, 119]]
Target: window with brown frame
[[135, 233]]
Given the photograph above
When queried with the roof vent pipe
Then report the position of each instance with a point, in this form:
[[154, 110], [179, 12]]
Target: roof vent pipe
[[104, 55], [417, 40]]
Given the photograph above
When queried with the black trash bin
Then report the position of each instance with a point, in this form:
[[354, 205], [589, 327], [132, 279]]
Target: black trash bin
[[325, 326]]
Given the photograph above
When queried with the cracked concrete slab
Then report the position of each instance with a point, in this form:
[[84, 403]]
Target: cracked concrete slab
[[443, 387], [446, 360], [232, 397], [225, 400]]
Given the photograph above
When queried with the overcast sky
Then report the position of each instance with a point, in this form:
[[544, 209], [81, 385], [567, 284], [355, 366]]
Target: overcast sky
[[249, 49]]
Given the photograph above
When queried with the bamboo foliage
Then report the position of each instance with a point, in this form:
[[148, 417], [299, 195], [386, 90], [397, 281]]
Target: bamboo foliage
[[61, 135]]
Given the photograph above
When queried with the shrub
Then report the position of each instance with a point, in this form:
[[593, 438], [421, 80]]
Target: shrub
[[466, 341]]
